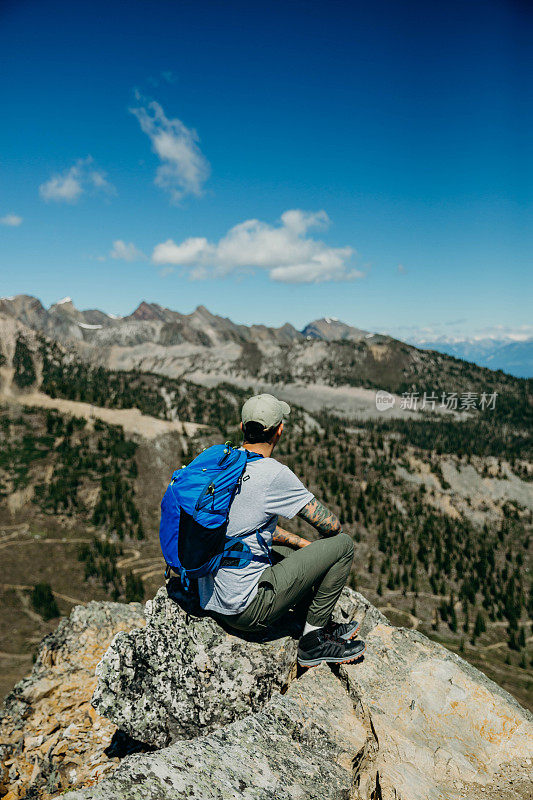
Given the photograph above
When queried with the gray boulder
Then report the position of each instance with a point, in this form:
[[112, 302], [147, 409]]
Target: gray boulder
[[301, 746], [437, 727], [412, 721], [183, 675]]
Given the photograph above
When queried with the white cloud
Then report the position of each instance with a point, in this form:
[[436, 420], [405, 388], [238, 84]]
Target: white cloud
[[11, 220], [68, 186], [126, 251], [515, 333], [401, 269], [285, 251], [454, 331], [186, 254], [183, 169]]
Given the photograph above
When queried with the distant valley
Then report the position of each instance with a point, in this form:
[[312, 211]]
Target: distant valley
[[96, 412], [515, 358]]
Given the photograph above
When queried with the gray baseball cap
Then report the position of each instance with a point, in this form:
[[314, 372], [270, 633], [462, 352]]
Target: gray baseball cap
[[265, 409]]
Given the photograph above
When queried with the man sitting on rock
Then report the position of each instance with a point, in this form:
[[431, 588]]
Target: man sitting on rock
[[251, 598]]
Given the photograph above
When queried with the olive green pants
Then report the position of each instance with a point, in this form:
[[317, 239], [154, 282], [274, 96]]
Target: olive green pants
[[318, 571]]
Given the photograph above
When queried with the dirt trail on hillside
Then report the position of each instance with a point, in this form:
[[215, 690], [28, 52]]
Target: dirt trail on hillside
[[28, 587], [39, 541], [130, 419]]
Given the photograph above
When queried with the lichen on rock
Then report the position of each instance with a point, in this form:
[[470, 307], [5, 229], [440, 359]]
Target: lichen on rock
[[411, 721], [50, 736], [301, 745], [183, 675]]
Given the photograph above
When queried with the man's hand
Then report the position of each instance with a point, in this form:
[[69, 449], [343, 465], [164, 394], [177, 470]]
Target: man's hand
[[286, 537], [321, 518]]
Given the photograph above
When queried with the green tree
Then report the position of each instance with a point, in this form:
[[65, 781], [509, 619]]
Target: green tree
[[479, 626], [134, 588], [453, 620], [43, 601], [466, 620], [24, 374]]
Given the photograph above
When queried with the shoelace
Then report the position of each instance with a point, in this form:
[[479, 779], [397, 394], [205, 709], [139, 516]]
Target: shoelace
[[330, 637], [329, 631]]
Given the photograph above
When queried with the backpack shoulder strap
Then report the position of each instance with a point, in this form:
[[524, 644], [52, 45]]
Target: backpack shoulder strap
[[252, 456]]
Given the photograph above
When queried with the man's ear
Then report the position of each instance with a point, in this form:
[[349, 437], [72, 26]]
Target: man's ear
[[241, 427], [280, 429]]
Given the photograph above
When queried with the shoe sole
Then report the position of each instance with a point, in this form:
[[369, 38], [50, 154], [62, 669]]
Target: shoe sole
[[315, 662]]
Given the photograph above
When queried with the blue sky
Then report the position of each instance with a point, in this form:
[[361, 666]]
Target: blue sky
[[272, 161]]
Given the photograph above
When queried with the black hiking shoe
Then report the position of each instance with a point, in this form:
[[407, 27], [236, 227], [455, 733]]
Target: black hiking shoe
[[319, 646], [343, 630]]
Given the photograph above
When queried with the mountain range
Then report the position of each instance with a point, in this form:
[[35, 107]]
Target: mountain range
[[97, 411], [328, 365], [153, 323]]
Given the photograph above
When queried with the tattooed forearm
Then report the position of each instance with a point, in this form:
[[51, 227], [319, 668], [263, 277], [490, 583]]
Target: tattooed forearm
[[321, 518], [282, 536]]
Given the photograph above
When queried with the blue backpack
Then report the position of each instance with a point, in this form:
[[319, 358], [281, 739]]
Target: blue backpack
[[194, 515]]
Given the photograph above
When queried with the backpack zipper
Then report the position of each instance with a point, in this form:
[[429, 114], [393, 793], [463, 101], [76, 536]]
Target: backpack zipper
[[209, 490]]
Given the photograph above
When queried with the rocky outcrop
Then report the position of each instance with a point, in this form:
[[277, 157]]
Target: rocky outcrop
[[330, 329], [50, 736], [183, 675], [301, 745], [437, 727], [412, 721]]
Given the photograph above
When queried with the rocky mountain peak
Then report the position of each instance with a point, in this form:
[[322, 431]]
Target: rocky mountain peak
[[410, 720], [331, 329], [146, 311], [66, 301], [24, 307], [65, 308], [63, 321]]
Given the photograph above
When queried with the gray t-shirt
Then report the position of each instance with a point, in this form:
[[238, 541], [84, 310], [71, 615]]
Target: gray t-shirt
[[268, 488]]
